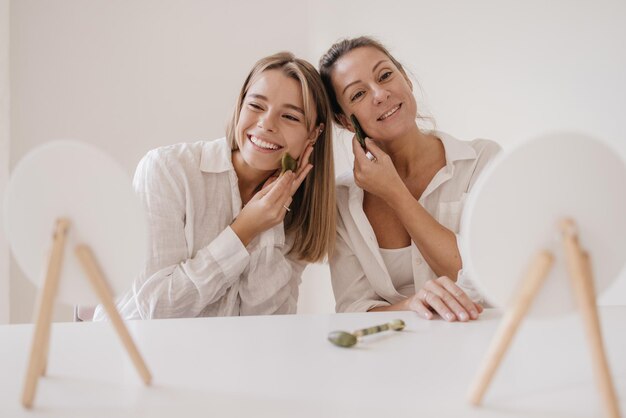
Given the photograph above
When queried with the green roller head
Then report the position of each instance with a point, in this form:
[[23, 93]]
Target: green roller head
[[360, 134], [342, 339], [288, 163]]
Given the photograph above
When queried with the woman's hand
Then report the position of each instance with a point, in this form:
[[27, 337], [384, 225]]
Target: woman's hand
[[268, 207], [444, 297], [377, 176]]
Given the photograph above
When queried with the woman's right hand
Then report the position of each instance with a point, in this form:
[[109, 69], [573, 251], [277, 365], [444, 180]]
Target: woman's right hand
[[266, 209], [378, 175]]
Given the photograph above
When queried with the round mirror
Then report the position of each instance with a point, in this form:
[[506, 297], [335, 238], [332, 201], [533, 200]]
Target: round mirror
[[514, 210], [73, 180]]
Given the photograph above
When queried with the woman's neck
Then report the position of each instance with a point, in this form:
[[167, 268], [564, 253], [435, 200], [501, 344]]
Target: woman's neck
[[413, 151], [250, 180]]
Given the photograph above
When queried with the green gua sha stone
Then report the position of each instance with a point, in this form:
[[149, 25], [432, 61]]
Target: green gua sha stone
[[288, 163], [347, 339], [360, 135]]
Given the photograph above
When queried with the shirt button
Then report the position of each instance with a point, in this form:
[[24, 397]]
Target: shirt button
[[418, 261]]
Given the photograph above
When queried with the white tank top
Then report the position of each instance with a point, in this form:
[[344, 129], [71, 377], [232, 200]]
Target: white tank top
[[398, 262]]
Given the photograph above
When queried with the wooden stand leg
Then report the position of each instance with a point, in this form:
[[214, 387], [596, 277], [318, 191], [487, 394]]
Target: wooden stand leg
[[96, 277], [581, 275], [522, 300], [38, 353]]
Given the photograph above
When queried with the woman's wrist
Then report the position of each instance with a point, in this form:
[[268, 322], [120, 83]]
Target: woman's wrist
[[243, 231], [398, 197]]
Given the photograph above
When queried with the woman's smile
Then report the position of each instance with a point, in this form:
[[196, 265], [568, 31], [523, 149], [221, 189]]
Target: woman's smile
[[264, 145]]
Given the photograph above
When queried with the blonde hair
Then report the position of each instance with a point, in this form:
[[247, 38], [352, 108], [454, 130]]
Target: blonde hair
[[313, 215]]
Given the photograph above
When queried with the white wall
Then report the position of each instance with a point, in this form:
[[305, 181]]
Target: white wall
[[132, 75], [504, 70], [4, 154]]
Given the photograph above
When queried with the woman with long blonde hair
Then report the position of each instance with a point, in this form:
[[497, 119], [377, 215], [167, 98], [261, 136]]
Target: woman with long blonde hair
[[230, 234]]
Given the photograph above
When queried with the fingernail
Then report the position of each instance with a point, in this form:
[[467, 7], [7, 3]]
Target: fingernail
[[428, 315], [449, 316], [463, 316], [474, 314]]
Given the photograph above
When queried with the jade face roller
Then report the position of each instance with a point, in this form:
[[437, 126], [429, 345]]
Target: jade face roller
[[347, 339]]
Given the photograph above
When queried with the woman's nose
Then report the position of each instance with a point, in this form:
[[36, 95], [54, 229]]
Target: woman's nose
[[380, 94], [266, 122]]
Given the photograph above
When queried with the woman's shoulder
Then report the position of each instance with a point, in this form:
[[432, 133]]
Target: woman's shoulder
[[186, 154], [475, 149], [183, 150], [182, 160], [485, 147]]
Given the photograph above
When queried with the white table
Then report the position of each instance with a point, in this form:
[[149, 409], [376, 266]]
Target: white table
[[283, 366]]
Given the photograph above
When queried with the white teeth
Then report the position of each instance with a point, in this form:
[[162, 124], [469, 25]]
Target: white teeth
[[262, 144], [391, 112]]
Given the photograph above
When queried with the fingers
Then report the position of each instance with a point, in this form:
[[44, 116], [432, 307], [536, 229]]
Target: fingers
[[373, 148], [461, 297], [303, 161], [269, 183], [359, 153], [416, 305], [300, 178], [435, 302], [281, 188], [448, 300]]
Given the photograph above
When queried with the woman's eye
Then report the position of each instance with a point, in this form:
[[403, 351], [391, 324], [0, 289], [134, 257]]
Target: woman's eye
[[292, 118], [255, 106], [385, 75], [357, 95]]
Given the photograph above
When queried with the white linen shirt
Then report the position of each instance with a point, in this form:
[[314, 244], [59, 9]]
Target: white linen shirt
[[359, 275], [196, 264]]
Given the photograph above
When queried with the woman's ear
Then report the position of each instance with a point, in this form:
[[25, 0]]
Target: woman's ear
[[316, 133], [345, 122]]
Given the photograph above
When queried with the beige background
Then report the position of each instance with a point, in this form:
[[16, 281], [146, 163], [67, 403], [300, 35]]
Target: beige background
[[132, 75]]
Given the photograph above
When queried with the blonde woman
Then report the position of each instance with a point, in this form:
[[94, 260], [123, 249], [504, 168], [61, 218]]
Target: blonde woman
[[228, 234], [399, 210]]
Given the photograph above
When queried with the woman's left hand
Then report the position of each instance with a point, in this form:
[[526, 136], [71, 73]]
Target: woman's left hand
[[378, 175]]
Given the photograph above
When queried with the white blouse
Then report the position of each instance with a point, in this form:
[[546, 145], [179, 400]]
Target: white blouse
[[361, 280], [196, 264]]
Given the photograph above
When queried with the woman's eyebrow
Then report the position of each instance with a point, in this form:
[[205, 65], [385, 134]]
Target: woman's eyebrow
[[287, 105], [294, 107], [358, 81], [257, 96]]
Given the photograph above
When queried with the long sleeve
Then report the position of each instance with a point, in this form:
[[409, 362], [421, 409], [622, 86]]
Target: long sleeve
[[271, 282], [176, 282]]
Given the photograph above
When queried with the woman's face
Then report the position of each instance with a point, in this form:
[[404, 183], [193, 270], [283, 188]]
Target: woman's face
[[272, 121], [368, 85]]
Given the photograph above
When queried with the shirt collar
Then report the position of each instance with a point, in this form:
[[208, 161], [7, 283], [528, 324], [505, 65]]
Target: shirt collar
[[455, 150], [216, 156]]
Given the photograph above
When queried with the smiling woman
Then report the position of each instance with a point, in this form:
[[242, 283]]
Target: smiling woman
[[229, 234], [399, 209]]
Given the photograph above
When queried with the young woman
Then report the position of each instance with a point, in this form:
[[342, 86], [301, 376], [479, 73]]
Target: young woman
[[228, 234], [399, 210]]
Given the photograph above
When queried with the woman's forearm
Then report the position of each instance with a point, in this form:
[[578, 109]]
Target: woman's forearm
[[436, 243]]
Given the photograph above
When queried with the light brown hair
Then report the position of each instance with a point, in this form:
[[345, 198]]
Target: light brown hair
[[313, 214]]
